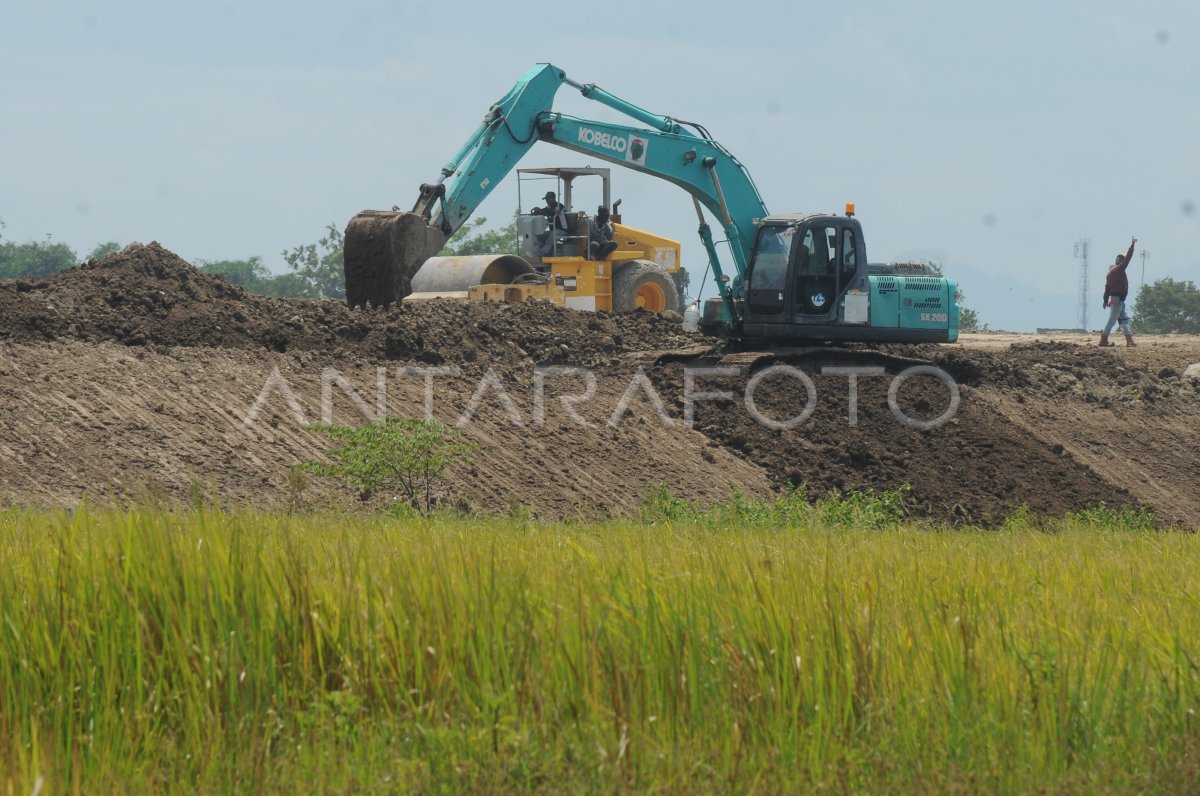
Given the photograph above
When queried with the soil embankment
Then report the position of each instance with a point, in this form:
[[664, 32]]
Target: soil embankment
[[140, 374]]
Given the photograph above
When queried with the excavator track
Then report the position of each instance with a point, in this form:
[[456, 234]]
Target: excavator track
[[733, 354]]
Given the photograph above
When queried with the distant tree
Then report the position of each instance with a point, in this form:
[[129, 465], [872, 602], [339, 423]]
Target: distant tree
[[968, 319], [102, 250], [471, 238], [1168, 306], [35, 260], [287, 286], [254, 277], [320, 265], [250, 274]]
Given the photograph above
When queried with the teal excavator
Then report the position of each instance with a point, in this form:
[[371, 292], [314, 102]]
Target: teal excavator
[[796, 277]]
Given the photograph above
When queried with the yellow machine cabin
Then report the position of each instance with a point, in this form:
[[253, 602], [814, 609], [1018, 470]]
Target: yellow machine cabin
[[575, 267]]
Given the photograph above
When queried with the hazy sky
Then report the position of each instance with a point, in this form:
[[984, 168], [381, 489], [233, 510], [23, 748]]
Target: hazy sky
[[989, 137]]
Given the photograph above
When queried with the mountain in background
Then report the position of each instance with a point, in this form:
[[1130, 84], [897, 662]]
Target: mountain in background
[[1008, 304]]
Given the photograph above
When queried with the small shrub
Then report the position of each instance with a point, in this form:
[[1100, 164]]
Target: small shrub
[[1019, 520], [661, 505], [297, 483], [1126, 518], [203, 494], [406, 457], [520, 513], [863, 509], [792, 509]]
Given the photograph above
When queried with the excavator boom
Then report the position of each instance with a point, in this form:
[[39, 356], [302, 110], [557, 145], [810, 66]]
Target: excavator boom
[[385, 249], [801, 276]]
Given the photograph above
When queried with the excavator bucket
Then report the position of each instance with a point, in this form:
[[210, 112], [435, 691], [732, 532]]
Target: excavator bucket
[[383, 251]]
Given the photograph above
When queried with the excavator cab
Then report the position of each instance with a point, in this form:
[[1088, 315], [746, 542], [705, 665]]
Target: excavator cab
[[808, 278], [802, 269]]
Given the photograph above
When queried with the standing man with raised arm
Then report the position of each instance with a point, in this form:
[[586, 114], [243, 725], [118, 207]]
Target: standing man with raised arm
[[1116, 290]]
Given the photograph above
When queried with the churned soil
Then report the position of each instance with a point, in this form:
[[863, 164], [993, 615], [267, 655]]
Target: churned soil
[[147, 295], [1051, 425], [138, 374]]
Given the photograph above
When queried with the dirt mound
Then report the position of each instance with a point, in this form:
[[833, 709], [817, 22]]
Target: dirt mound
[[976, 468], [106, 420], [146, 295], [1052, 426], [1129, 416], [1090, 374], [139, 367]]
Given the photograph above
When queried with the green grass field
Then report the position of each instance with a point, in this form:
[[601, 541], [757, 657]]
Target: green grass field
[[746, 649]]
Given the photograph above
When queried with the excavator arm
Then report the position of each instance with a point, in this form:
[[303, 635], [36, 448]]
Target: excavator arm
[[700, 166], [384, 249], [506, 133]]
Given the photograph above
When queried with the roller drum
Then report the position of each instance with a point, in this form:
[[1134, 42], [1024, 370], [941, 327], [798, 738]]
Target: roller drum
[[456, 274]]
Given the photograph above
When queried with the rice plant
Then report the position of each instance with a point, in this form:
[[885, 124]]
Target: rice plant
[[781, 649]]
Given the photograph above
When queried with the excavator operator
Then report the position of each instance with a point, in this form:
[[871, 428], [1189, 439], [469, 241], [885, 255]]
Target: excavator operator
[[556, 216]]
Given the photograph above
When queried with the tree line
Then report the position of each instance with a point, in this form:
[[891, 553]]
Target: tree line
[[315, 271]]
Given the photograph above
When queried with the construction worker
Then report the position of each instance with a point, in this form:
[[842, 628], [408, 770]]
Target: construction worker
[[556, 216], [601, 238], [1116, 290]]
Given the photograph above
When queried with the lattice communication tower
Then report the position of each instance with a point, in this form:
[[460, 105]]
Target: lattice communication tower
[[1081, 253]]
